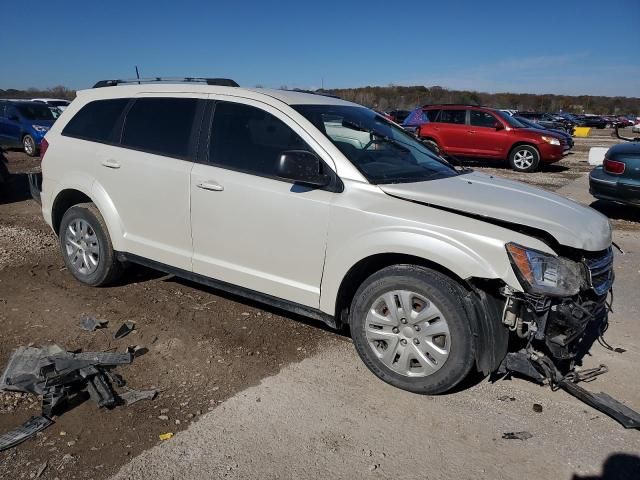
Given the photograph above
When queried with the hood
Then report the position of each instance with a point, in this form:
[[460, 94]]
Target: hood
[[569, 223]]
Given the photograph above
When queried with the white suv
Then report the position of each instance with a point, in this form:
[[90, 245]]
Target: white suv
[[323, 207]]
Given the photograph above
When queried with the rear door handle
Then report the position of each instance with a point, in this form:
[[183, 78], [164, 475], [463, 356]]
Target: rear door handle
[[211, 186], [110, 164]]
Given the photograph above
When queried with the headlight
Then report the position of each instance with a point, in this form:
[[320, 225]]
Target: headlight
[[546, 274], [551, 140], [40, 128]]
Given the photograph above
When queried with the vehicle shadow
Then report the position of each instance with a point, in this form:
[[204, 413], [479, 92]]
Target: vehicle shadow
[[138, 274], [618, 466], [616, 211]]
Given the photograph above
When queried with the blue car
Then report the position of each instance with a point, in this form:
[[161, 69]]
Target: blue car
[[24, 124]]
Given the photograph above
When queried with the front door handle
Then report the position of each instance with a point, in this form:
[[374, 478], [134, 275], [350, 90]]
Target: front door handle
[[211, 186], [110, 164]]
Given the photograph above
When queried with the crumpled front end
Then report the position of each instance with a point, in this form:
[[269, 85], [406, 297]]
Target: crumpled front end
[[563, 328]]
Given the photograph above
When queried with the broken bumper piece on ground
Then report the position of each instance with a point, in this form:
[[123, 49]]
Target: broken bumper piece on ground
[[59, 376], [541, 369]]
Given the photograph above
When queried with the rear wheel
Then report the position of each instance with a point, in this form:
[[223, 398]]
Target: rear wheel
[[29, 145], [86, 246], [524, 158], [411, 330]]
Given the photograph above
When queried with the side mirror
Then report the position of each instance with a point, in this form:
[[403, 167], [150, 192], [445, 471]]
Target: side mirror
[[302, 167], [499, 126]]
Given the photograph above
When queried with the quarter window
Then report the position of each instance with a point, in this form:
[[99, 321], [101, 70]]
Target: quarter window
[[96, 121], [160, 125], [250, 140], [478, 118], [452, 116]]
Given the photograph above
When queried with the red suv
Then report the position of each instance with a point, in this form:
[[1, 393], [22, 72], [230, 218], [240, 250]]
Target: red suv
[[468, 131]]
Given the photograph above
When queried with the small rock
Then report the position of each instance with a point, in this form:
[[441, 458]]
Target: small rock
[[164, 410], [537, 408], [163, 417], [373, 467], [177, 422], [71, 443]]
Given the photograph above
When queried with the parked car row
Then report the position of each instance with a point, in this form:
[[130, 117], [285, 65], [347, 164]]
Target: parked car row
[[24, 123]]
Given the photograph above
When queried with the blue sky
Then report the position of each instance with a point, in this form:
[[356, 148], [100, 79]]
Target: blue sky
[[537, 46]]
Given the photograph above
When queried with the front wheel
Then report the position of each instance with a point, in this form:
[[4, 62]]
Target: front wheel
[[411, 330], [524, 158], [29, 145]]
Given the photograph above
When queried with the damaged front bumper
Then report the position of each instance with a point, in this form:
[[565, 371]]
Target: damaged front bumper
[[555, 333], [564, 327]]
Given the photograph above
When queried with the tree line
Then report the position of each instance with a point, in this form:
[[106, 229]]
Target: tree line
[[395, 97], [55, 92]]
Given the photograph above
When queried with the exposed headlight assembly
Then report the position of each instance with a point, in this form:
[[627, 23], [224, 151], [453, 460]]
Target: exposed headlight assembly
[[551, 140], [546, 274]]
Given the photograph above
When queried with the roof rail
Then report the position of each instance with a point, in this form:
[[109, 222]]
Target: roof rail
[[324, 93], [223, 82]]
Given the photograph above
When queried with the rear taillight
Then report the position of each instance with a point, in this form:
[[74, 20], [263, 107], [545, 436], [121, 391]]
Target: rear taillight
[[613, 167], [43, 147]]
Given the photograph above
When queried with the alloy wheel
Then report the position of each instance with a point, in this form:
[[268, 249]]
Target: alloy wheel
[[408, 333], [523, 159], [29, 145], [82, 246]]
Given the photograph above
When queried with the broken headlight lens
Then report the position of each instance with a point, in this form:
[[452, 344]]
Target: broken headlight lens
[[546, 274]]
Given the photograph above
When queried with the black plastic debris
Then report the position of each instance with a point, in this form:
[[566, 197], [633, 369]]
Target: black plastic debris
[[24, 432], [125, 329], [537, 367], [60, 377], [137, 350], [517, 436], [91, 324]]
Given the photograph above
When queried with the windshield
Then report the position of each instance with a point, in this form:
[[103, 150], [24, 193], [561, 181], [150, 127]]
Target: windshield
[[35, 111], [512, 122], [382, 151]]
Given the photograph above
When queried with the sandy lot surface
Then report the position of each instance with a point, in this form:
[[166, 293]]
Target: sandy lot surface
[[254, 393]]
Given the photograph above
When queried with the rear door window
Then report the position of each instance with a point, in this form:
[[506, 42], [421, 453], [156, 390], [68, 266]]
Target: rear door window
[[479, 118], [250, 140], [432, 115], [96, 121], [457, 117], [162, 126]]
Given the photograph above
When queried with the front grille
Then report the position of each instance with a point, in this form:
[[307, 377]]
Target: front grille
[[600, 270]]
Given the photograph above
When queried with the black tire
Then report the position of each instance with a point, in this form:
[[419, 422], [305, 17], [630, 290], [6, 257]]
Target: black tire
[[518, 164], [108, 268], [443, 293], [29, 145]]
